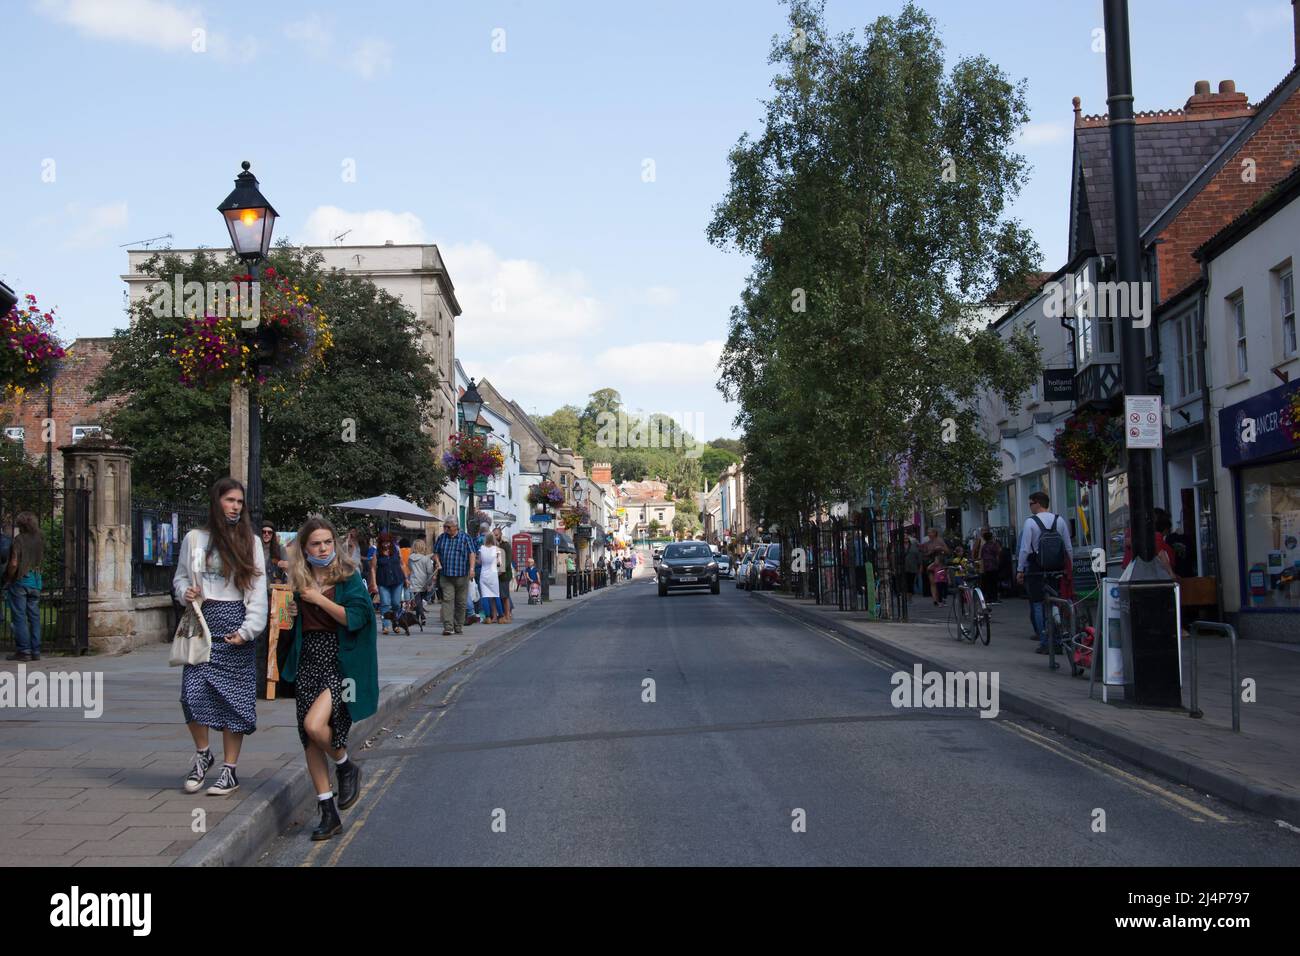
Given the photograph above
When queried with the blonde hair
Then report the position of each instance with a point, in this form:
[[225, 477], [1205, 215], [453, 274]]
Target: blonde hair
[[302, 575], [490, 539], [421, 546]]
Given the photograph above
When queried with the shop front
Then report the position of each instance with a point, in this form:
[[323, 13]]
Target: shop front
[[1260, 450]]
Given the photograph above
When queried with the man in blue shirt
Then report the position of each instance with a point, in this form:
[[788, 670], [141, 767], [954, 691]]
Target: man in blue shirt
[[454, 559]]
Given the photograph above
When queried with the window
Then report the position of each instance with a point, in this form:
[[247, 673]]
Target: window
[[84, 431], [1286, 289], [1269, 505], [1237, 323], [1083, 322], [1031, 330], [16, 434], [1186, 355]]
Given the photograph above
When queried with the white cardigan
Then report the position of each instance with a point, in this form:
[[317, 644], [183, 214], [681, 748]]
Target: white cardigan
[[217, 587]]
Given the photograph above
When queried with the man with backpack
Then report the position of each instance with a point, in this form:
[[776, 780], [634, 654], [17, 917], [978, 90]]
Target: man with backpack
[[1044, 554]]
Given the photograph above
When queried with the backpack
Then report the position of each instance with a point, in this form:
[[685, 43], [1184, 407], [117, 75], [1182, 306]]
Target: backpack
[[1050, 553]]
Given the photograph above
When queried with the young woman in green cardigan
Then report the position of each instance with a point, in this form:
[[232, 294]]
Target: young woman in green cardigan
[[333, 662]]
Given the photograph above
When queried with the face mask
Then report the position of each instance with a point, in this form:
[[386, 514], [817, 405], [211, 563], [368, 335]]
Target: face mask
[[232, 521], [320, 562]]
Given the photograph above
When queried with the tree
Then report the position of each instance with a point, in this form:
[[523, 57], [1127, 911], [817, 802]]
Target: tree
[[733, 445], [352, 429], [602, 402], [872, 203], [562, 426], [654, 527], [714, 461]]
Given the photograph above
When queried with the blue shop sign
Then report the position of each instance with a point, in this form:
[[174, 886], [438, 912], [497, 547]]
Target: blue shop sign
[[1260, 418]]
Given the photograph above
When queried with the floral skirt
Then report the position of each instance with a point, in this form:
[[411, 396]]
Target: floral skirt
[[222, 694], [318, 671]]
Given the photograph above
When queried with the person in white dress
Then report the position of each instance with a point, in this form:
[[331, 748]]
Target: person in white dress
[[489, 555]]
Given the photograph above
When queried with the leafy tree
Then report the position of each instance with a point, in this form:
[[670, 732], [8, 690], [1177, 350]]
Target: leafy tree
[[601, 402], [733, 445], [714, 461], [353, 429], [873, 205], [563, 427], [654, 527]]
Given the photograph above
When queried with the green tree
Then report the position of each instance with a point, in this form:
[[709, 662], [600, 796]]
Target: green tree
[[873, 205], [353, 429], [654, 527], [714, 461], [603, 401], [563, 427]]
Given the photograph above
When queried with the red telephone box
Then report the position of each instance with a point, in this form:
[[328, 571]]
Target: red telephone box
[[521, 546]]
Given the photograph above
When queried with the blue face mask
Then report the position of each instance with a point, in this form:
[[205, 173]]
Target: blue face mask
[[321, 562], [233, 521]]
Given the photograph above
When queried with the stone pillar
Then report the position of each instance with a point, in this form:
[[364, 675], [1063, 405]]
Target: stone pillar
[[239, 434], [104, 466]]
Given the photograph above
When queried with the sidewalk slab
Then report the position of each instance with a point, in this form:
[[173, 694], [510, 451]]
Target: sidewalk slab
[[1258, 768], [106, 791]]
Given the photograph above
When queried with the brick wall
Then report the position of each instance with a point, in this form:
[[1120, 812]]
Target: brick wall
[[71, 406], [1275, 149]]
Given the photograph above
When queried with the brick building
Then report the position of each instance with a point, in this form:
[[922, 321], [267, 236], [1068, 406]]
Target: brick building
[[71, 412]]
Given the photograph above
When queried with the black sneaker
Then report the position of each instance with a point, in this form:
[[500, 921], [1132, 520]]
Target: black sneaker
[[226, 783], [19, 656], [202, 764]]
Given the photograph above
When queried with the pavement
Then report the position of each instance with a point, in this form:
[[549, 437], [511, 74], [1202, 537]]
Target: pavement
[[1258, 768], [760, 742], [106, 790]]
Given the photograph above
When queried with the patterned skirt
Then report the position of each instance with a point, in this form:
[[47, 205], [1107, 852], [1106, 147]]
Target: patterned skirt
[[318, 671], [222, 694]]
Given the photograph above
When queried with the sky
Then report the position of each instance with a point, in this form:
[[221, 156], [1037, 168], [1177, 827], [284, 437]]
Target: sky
[[564, 156]]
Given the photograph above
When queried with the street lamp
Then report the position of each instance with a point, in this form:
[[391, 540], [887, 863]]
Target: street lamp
[[250, 219], [471, 403]]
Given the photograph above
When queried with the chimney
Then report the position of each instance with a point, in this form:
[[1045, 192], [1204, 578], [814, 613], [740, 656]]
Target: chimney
[[602, 472], [1226, 102]]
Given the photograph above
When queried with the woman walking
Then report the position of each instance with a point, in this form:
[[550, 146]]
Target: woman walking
[[489, 556], [504, 570], [22, 585], [333, 642], [231, 595], [391, 579]]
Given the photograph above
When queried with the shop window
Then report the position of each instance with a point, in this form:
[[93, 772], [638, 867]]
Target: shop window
[[1270, 535], [1117, 519]]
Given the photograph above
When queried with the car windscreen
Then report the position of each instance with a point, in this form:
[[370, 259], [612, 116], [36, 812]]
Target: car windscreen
[[687, 551], [773, 553]]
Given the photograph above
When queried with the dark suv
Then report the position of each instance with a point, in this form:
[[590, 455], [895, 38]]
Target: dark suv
[[687, 564]]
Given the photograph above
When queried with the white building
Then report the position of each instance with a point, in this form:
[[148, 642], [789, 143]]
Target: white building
[[506, 504]]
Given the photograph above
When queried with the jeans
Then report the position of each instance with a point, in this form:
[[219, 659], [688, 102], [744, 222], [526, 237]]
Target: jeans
[[489, 604], [455, 592], [25, 611], [390, 599], [1036, 618]]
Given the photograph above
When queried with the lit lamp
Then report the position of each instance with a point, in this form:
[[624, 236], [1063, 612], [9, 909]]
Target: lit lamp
[[251, 220]]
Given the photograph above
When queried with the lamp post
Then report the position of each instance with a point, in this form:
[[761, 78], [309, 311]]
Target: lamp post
[[548, 535], [471, 403], [250, 220]]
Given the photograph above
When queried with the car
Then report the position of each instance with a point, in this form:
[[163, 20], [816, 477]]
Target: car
[[769, 573], [724, 565], [687, 564], [755, 565], [742, 569]]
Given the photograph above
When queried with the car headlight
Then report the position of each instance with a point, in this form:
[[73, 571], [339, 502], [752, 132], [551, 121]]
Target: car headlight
[[713, 565]]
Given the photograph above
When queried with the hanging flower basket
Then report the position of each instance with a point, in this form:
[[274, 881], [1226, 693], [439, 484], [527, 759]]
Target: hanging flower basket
[[1291, 417], [577, 515], [290, 340], [546, 492], [471, 457], [29, 348], [1089, 445]]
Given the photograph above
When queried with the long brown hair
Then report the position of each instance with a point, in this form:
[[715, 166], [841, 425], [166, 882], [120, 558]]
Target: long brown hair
[[302, 575], [29, 546], [233, 543]]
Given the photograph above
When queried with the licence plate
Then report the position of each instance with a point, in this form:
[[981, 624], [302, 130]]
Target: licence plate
[[686, 580]]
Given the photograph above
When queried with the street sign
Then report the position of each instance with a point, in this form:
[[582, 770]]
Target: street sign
[[1143, 421], [1058, 384]]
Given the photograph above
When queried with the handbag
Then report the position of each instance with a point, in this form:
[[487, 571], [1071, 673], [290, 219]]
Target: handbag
[[192, 643]]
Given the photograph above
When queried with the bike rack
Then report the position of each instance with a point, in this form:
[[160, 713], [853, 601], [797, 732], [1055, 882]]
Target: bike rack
[[1049, 603], [1230, 632]]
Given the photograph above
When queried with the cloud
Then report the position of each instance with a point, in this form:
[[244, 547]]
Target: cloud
[[506, 299], [372, 227], [154, 23], [1041, 134], [660, 296], [372, 57], [661, 363], [311, 33], [84, 227]]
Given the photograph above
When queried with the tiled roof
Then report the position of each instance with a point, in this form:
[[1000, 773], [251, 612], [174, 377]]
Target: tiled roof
[[1169, 154]]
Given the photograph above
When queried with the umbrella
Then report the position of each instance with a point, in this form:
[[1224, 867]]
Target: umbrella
[[388, 506]]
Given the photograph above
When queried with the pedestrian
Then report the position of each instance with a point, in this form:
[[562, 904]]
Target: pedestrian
[[367, 551], [504, 570], [454, 561], [489, 557], [333, 643], [1165, 553], [934, 546], [352, 549], [534, 582], [1044, 553], [938, 580], [273, 558], [391, 579], [23, 581], [221, 694], [990, 556], [404, 546], [911, 566], [421, 577]]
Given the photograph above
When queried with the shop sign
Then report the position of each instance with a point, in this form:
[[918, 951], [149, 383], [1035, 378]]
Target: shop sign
[[1254, 428]]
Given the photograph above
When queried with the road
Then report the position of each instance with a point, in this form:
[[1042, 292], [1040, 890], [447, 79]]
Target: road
[[767, 743]]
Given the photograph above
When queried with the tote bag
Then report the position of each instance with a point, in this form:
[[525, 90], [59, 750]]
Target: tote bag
[[192, 643]]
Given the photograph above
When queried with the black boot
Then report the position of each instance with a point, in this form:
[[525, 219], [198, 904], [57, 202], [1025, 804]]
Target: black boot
[[330, 823], [349, 783]]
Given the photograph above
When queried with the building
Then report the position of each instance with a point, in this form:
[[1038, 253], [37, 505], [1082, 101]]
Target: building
[[1252, 372], [500, 496]]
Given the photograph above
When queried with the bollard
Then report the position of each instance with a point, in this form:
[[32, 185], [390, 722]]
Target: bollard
[[1230, 632]]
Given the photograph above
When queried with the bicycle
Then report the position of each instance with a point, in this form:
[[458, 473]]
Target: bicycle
[[1079, 642], [971, 614]]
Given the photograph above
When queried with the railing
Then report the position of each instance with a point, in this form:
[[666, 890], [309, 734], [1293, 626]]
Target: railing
[[1230, 632]]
